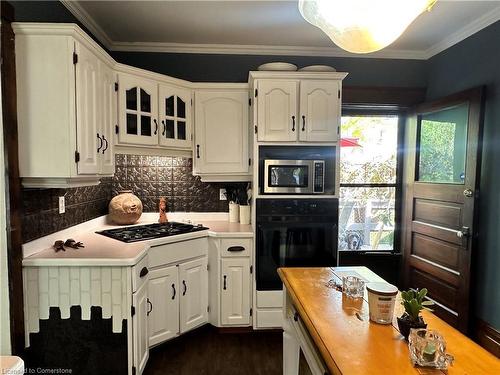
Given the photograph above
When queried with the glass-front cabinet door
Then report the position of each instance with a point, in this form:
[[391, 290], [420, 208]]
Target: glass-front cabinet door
[[138, 111], [175, 116]]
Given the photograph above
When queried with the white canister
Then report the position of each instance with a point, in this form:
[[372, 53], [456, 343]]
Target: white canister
[[381, 301], [234, 212], [245, 214]]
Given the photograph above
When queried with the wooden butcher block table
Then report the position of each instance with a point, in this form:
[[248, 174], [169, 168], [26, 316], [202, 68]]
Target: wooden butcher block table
[[346, 342]]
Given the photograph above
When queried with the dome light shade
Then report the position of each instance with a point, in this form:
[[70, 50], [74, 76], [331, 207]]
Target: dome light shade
[[363, 26]]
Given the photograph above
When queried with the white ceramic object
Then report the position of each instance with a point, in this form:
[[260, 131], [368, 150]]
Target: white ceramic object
[[245, 215], [234, 212], [381, 301], [125, 208], [278, 66], [318, 68]]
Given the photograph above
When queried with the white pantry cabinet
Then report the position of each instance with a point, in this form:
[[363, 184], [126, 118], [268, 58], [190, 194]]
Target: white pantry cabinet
[[62, 102], [297, 106], [236, 291], [221, 134], [193, 277], [164, 296]]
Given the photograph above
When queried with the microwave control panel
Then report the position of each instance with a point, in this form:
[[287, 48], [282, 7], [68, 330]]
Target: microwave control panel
[[319, 176]]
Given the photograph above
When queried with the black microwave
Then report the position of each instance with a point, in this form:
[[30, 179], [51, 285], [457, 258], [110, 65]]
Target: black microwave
[[294, 176]]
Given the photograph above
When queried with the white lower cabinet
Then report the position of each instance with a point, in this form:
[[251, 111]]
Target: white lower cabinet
[[140, 337], [164, 296], [193, 282], [235, 293]]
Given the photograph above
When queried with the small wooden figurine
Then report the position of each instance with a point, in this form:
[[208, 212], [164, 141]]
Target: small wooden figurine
[[163, 210]]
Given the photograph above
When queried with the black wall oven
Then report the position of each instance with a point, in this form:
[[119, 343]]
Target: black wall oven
[[294, 233]]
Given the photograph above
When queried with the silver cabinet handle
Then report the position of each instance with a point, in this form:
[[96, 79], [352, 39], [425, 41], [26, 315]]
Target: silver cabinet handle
[[465, 232]]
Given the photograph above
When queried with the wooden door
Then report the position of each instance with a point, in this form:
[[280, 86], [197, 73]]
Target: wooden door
[[137, 110], [108, 102], [277, 115], [140, 334], [235, 294], [175, 117], [193, 285], [163, 292], [319, 111], [87, 110], [443, 166], [221, 120]]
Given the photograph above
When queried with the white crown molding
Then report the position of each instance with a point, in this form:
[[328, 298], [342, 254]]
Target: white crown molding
[[465, 32], [87, 20], [240, 49], [236, 49]]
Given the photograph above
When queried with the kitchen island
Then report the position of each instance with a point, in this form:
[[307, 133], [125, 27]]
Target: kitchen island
[[336, 337]]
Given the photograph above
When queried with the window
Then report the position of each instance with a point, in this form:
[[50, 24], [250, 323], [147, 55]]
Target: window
[[368, 182]]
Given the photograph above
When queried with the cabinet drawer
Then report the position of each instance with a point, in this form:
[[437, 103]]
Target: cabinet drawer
[[140, 273], [235, 247]]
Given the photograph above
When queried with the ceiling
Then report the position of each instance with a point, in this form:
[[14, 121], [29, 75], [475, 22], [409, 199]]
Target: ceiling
[[263, 27]]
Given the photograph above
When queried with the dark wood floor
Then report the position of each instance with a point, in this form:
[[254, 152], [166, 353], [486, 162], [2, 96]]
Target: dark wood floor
[[206, 351]]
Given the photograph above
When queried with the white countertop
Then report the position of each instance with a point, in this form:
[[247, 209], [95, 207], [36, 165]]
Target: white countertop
[[104, 251]]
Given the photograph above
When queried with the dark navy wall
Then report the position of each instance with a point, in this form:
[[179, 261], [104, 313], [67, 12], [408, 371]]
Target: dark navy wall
[[235, 68], [474, 62], [47, 11]]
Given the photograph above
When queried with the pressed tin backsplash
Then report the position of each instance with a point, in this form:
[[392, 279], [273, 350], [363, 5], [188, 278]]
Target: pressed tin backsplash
[[149, 177]]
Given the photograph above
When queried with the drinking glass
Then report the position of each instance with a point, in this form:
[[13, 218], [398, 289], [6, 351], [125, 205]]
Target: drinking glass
[[353, 286]]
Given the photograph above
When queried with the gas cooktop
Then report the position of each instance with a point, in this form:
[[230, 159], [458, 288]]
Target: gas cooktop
[[150, 231]]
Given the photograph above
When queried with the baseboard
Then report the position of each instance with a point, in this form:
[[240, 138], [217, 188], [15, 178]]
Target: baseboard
[[488, 337]]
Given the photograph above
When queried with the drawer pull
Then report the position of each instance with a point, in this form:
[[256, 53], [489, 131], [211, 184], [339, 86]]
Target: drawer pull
[[143, 272], [296, 316], [235, 248]]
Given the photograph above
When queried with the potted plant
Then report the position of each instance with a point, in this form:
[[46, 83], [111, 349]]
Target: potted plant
[[413, 302]]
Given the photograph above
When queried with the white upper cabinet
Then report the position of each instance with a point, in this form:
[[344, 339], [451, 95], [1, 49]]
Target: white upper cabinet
[[64, 109], [163, 292], [175, 116], [319, 111], [108, 119], [277, 114], [221, 132], [138, 110], [297, 106], [193, 285]]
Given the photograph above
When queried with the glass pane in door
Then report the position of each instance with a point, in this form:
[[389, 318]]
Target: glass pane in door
[[442, 145], [181, 108], [170, 129], [131, 123], [169, 106], [181, 130], [145, 101], [146, 126], [131, 97]]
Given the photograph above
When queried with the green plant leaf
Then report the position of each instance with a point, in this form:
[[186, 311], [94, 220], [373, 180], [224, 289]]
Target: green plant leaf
[[427, 303]]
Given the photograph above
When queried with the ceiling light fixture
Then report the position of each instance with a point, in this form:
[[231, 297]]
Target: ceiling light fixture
[[363, 26]]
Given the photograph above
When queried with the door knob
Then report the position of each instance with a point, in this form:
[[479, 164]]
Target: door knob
[[468, 193], [463, 233]]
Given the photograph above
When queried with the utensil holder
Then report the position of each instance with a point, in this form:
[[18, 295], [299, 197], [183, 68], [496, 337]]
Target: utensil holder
[[245, 214], [234, 212]]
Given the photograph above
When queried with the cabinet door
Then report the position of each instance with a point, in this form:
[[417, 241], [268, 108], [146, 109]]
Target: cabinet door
[[138, 110], [193, 285], [87, 110], [175, 116], [221, 122], [235, 295], [319, 111], [277, 110], [108, 115], [163, 292], [140, 335]]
